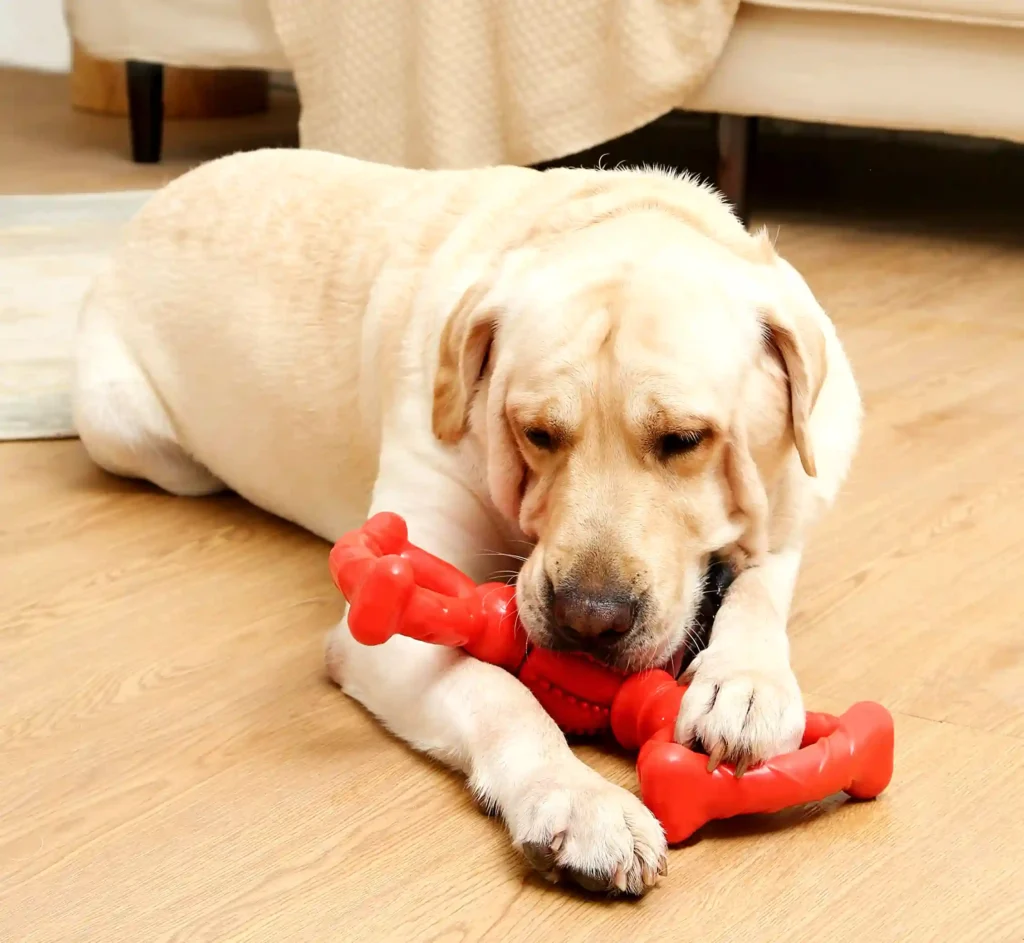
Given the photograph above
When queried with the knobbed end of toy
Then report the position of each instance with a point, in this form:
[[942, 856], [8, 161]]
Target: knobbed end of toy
[[384, 534], [377, 610], [388, 531], [872, 744], [676, 786]]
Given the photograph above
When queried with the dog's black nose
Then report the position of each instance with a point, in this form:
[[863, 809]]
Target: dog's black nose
[[587, 613]]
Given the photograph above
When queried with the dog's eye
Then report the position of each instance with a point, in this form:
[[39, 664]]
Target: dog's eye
[[540, 439], [679, 443]]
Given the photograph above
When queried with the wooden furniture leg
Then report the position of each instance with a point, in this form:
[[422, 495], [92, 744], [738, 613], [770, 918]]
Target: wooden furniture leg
[[736, 136]]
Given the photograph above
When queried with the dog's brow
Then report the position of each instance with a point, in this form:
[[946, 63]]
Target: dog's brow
[[653, 417], [535, 411], [663, 421], [652, 410]]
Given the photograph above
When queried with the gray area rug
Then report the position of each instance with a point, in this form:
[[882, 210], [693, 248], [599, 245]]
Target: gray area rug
[[50, 249]]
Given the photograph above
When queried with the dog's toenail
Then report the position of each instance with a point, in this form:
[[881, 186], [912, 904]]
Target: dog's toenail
[[716, 757]]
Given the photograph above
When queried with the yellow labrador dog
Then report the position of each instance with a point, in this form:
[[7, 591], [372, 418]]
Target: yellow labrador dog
[[604, 365]]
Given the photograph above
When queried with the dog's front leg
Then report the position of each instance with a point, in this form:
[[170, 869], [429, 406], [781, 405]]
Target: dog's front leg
[[744, 703], [564, 817]]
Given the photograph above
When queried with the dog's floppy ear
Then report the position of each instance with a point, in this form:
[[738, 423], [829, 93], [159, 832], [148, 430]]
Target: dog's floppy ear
[[465, 347], [748, 492], [795, 334]]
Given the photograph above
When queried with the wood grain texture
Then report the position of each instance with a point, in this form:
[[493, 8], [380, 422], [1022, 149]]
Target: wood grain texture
[[928, 528], [175, 767]]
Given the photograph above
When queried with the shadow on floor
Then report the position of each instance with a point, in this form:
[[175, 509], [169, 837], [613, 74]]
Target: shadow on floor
[[880, 179]]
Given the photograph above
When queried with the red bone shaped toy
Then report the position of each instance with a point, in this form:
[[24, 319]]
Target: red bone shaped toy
[[396, 588]]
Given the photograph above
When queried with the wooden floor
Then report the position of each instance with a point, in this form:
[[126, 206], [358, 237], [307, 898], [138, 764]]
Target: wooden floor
[[174, 766], [45, 147]]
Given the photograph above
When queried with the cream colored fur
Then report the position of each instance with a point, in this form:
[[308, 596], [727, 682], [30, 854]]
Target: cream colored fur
[[331, 338]]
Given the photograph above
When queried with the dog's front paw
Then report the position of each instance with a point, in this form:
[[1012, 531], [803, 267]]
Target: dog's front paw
[[741, 709], [573, 823]]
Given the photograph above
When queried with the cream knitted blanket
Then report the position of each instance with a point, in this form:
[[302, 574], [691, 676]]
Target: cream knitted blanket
[[461, 83]]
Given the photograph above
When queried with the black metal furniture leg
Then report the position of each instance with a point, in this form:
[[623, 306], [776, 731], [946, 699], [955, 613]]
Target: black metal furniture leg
[[145, 109]]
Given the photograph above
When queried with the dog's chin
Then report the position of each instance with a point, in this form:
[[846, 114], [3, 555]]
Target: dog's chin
[[614, 654], [637, 651]]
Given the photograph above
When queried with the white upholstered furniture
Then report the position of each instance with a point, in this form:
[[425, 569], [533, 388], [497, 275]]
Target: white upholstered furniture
[[955, 66], [936, 65]]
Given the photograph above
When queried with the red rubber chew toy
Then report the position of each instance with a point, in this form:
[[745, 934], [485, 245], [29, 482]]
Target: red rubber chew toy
[[396, 588]]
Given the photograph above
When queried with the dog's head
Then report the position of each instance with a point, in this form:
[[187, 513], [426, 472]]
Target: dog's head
[[632, 387]]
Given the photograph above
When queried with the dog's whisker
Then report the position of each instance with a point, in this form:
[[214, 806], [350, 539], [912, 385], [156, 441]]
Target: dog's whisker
[[507, 576], [501, 553]]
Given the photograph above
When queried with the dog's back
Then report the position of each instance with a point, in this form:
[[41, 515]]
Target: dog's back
[[232, 339]]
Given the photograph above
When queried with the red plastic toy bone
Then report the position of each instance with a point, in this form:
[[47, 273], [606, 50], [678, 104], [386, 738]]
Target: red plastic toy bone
[[394, 588]]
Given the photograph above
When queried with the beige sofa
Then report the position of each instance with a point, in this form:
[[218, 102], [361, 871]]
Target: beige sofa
[[952, 66], [937, 65], [955, 66]]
